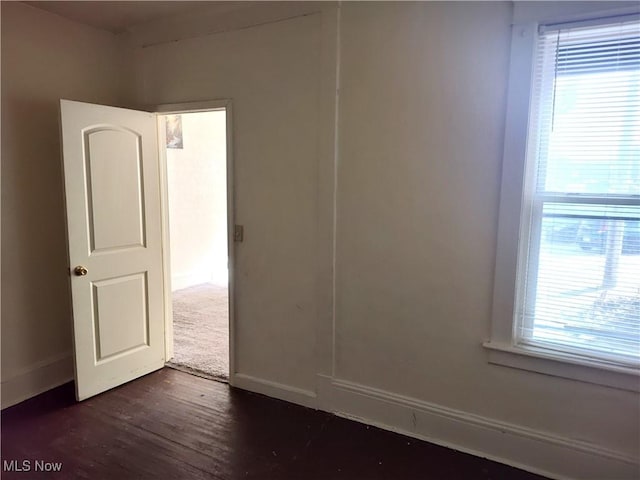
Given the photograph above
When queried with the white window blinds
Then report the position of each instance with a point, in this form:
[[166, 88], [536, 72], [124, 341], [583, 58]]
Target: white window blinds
[[579, 274]]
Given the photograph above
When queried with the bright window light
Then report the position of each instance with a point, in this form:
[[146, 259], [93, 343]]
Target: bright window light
[[579, 273]]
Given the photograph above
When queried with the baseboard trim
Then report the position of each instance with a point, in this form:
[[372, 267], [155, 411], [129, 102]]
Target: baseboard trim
[[532, 450], [185, 280], [299, 396], [36, 379], [528, 449]]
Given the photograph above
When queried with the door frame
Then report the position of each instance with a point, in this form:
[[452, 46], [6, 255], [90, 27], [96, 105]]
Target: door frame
[[183, 108]]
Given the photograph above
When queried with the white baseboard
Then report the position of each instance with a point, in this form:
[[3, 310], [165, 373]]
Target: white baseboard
[[36, 379], [525, 448], [185, 280], [532, 450], [306, 398]]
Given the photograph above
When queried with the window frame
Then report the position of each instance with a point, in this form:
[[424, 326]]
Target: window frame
[[512, 226]]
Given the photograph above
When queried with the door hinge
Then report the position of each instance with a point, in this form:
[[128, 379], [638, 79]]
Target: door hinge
[[238, 233]]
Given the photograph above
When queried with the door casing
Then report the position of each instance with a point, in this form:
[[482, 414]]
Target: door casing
[[182, 108]]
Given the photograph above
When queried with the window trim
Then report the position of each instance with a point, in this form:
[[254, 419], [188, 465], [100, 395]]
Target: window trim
[[501, 347]]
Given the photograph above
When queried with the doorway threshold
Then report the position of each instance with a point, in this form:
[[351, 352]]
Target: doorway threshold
[[198, 373]]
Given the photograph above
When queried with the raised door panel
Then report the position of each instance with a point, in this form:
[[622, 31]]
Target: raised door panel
[[113, 160], [120, 316]]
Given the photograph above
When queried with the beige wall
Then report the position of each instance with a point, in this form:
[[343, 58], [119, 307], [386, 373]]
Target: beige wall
[[197, 188], [271, 74], [44, 58], [422, 111], [420, 127]]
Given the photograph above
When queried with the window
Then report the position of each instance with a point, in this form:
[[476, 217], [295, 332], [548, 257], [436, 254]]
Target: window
[[576, 270]]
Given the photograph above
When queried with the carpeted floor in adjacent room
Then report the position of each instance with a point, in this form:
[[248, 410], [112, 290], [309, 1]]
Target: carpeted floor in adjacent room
[[201, 330]]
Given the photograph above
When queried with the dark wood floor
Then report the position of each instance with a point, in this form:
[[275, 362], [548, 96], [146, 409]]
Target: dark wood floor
[[171, 425]]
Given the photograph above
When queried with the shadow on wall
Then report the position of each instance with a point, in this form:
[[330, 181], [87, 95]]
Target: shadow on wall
[[35, 287]]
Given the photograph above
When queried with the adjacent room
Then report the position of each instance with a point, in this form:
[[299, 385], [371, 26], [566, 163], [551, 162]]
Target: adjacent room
[[196, 166]]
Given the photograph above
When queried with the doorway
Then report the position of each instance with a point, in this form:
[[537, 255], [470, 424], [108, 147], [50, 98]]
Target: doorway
[[197, 218]]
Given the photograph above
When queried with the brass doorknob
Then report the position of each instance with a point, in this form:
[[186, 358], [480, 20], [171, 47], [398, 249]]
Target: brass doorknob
[[80, 271]]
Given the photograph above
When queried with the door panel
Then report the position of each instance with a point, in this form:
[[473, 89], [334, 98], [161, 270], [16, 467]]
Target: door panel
[[113, 216], [114, 163], [120, 318]]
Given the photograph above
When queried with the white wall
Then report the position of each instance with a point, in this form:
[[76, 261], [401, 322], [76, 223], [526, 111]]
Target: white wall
[[420, 153], [271, 74], [422, 111], [197, 188], [44, 58]]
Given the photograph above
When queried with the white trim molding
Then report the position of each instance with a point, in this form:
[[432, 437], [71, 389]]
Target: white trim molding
[[36, 379], [565, 365], [288, 393], [174, 282], [532, 450]]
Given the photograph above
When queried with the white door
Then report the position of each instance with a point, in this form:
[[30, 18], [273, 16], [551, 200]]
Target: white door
[[112, 190]]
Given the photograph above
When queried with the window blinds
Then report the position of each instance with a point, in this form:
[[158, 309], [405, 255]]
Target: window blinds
[[581, 284]]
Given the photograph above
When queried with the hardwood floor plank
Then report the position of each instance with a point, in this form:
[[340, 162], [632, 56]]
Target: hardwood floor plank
[[172, 425]]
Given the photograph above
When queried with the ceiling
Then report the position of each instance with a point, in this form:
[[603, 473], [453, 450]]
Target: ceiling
[[119, 16]]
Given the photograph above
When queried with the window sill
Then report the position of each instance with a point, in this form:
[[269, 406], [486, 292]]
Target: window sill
[[558, 364]]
